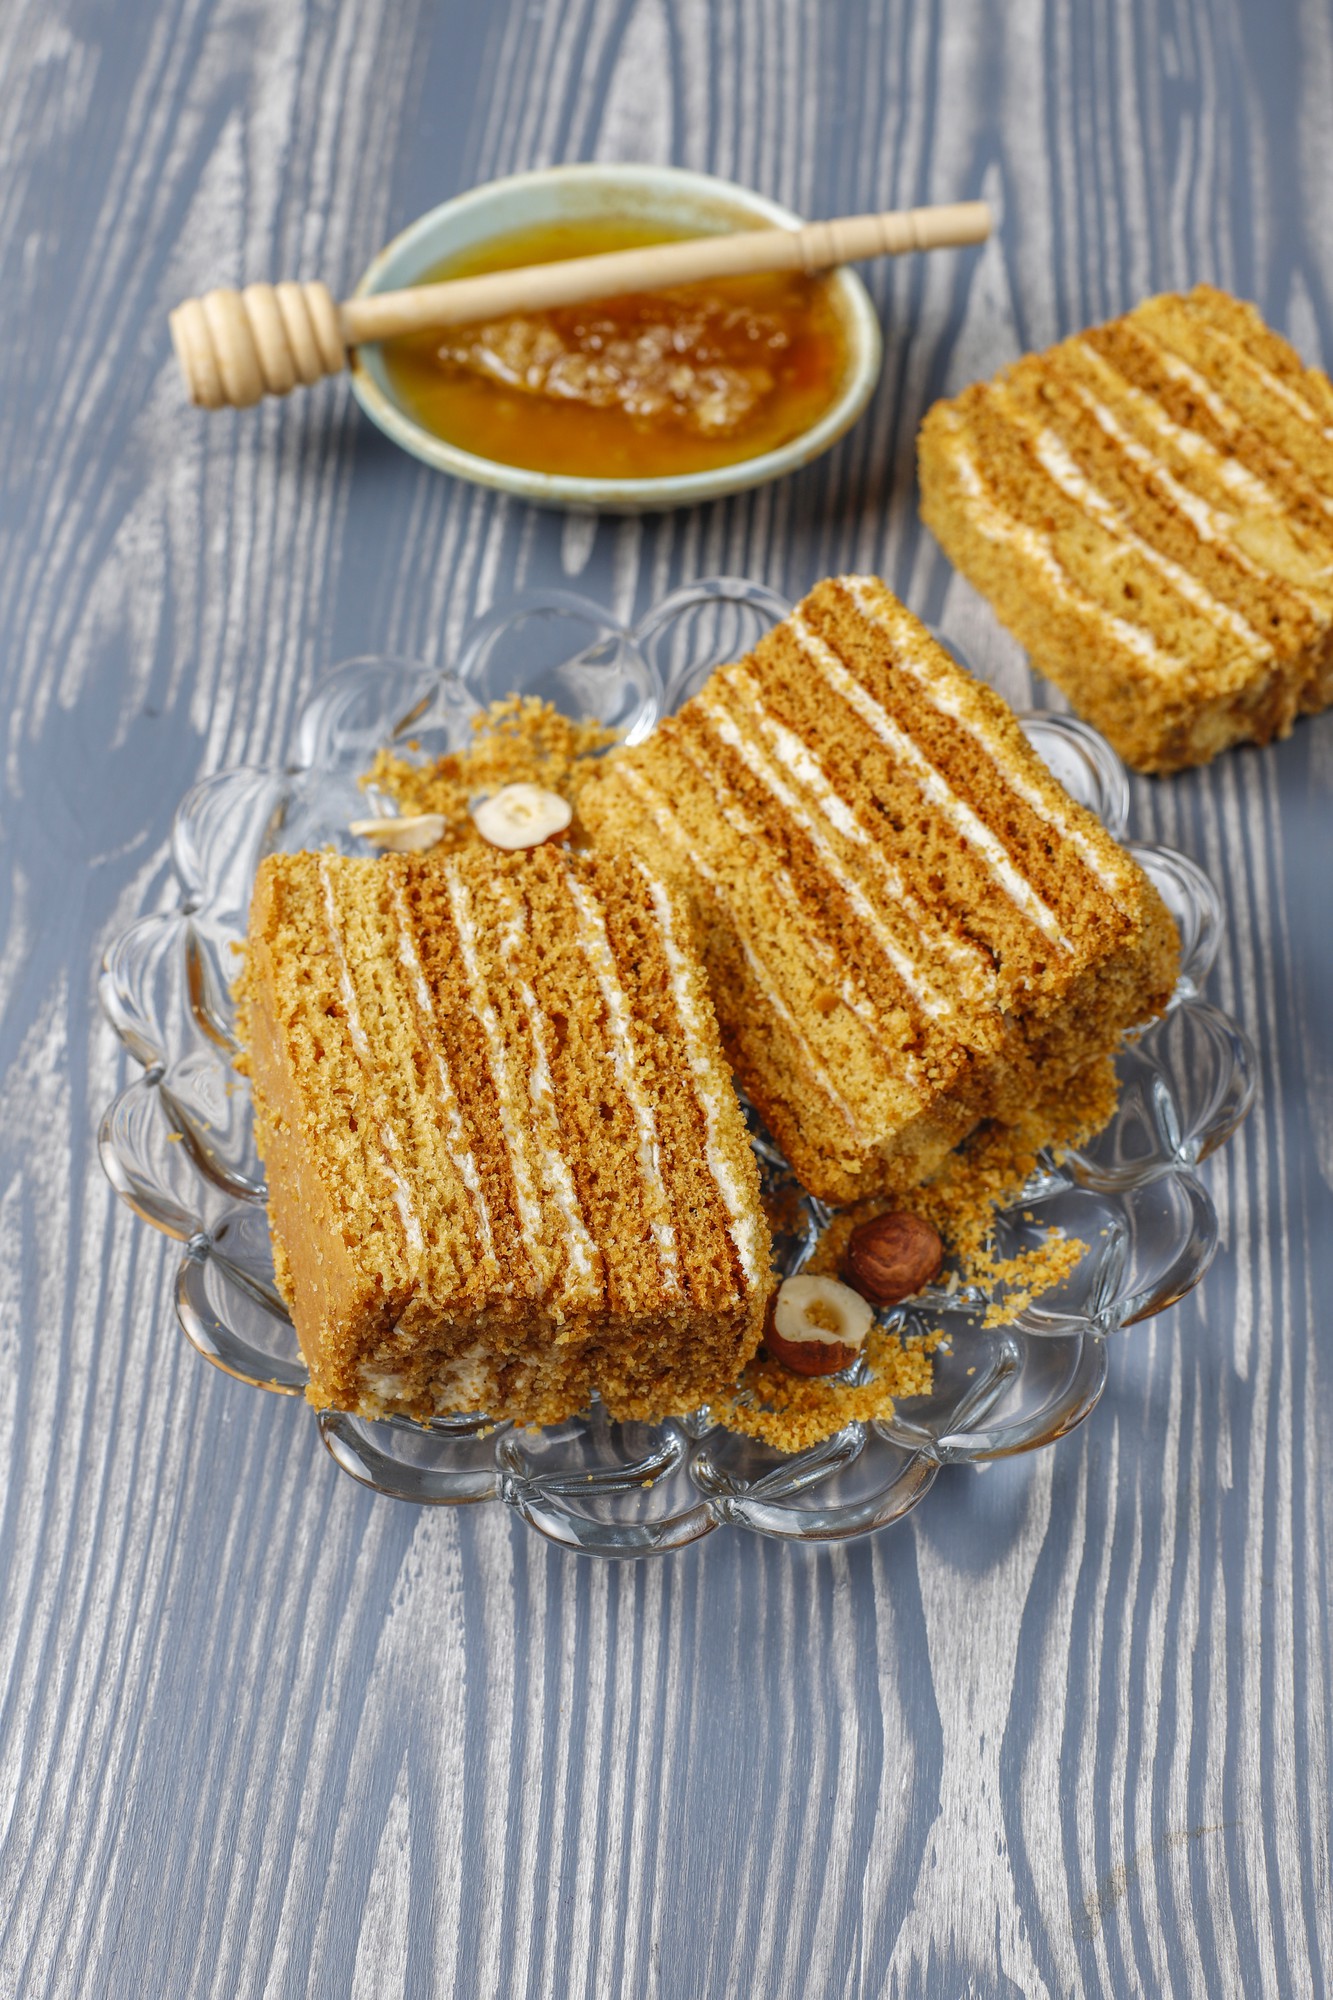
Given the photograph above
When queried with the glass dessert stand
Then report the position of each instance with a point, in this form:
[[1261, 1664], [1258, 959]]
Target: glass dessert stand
[[178, 1144]]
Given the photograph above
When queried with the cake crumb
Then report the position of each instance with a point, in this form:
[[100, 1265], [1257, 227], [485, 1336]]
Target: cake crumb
[[984, 1175], [792, 1412], [518, 740]]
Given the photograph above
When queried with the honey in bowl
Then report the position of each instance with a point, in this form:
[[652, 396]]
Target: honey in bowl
[[644, 386]]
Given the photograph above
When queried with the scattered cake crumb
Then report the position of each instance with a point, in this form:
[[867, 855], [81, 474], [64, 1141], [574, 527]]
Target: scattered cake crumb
[[518, 740], [982, 1176], [792, 1412]]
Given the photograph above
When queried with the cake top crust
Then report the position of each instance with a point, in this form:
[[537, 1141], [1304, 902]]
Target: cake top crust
[[897, 899], [1149, 505], [896, 801]]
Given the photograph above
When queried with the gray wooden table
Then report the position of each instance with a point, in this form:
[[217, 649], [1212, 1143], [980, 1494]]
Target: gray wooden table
[[1066, 1730]]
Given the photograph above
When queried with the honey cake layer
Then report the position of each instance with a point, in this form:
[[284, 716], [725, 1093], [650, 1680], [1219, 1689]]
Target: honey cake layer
[[908, 925], [1149, 508], [506, 1164]]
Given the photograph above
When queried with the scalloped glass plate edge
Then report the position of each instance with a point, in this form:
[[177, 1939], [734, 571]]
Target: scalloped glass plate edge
[[164, 1159]]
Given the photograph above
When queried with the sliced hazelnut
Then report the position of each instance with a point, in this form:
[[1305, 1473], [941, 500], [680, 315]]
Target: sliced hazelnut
[[818, 1325], [406, 833], [892, 1256], [519, 816]]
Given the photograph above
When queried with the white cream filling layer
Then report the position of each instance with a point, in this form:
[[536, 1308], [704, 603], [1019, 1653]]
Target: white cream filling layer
[[596, 946], [460, 1153], [1274, 385], [932, 1003], [1113, 876], [1210, 523], [805, 767], [932, 785], [520, 1168], [1230, 419], [464, 1383], [764, 981], [746, 1233], [1229, 472], [390, 1143], [1059, 465], [835, 970], [998, 525], [1180, 370], [541, 1096]]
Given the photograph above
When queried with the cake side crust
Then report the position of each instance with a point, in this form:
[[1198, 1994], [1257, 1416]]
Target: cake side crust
[[329, 1291]]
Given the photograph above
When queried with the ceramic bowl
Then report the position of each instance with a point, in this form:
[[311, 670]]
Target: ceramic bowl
[[666, 194]]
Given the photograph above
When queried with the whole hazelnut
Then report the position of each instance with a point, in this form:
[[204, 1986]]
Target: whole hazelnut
[[892, 1256]]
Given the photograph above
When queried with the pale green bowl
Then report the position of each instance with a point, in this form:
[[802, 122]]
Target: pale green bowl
[[666, 194]]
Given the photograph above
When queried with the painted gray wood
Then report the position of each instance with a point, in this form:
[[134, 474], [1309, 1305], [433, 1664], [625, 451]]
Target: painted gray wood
[[1065, 1732]]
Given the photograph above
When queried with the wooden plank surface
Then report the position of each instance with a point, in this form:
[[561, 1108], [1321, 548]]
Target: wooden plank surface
[[1065, 1731]]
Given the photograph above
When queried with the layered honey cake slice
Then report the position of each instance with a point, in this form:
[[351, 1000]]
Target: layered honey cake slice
[[506, 1164], [909, 927], [1149, 508]]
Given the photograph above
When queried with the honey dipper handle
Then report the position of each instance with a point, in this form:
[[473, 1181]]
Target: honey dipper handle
[[234, 347], [815, 247]]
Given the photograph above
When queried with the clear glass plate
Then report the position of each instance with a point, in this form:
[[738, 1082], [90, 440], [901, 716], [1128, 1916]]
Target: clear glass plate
[[178, 1144]]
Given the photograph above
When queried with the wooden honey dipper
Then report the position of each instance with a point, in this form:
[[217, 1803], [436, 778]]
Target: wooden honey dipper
[[234, 347]]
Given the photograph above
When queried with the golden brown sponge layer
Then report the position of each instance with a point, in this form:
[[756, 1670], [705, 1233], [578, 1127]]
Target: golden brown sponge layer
[[908, 925], [1149, 508], [506, 1164]]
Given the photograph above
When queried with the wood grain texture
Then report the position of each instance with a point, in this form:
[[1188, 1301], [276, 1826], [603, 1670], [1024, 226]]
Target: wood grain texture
[[1065, 1732]]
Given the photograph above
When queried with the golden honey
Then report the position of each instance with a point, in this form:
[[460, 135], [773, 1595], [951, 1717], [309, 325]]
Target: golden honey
[[648, 385]]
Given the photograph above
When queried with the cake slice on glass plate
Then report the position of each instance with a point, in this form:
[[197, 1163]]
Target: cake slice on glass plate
[[505, 1160], [909, 927]]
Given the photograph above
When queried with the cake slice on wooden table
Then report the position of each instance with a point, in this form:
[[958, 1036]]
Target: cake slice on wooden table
[[908, 926], [1149, 508], [506, 1164]]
